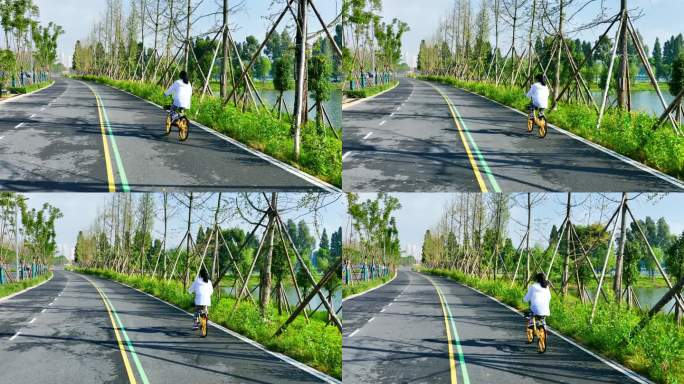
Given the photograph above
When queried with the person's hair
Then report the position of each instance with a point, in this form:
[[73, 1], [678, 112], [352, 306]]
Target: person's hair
[[541, 79], [541, 279], [204, 275], [184, 77]]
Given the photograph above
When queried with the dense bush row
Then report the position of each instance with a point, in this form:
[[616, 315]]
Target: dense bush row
[[370, 91], [321, 156], [10, 288], [657, 349], [313, 343], [628, 133]]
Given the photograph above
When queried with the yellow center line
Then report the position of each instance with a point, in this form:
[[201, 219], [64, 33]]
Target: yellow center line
[[108, 161], [473, 163], [452, 361], [127, 364]]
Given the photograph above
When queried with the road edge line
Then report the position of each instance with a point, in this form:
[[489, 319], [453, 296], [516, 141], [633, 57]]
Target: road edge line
[[636, 164], [2, 299], [396, 272], [613, 364], [312, 371], [365, 99], [273, 161], [11, 99]]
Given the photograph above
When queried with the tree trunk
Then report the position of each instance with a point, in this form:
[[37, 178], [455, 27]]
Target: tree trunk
[[265, 273], [617, 281], [300, 91], [226, 51], [566, 260]]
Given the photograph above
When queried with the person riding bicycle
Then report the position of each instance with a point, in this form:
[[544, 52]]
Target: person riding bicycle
[[203, 289], [539, 95], [539, 297], [181, 90]]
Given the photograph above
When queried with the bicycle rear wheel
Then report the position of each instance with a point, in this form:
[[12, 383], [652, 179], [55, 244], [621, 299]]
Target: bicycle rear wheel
[[203, 325], [184, 128], [542, 128], [541, 342]]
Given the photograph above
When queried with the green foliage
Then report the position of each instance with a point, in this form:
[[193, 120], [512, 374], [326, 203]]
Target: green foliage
[[8, 64], [677, 78], [8, 289], [311, 342], [657, 349], [675, 258], [45, 39], [370, 91], [262, 67], [628, 133], [320, 71], [321, 156], [282, 74]]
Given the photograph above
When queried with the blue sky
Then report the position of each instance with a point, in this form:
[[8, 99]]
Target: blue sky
[[78, 16], [659, 18], [80, 210], [423, 211]]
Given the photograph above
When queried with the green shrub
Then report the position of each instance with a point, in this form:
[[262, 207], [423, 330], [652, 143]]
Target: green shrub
[[312, 342], [321, 155], [370, 91], [656, 350], [628, 133], [10, 288], [30, 88]]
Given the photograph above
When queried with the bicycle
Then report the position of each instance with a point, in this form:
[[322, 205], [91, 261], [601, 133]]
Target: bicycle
[[538, 120], [536, 329], [203, 317], [176, 117]]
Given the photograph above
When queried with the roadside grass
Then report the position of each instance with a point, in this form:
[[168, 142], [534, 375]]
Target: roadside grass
[[655, 350], [321, 156], [8, 289], [628, 133], [364, 286], [313, 343], [370, 91], [28, 88]]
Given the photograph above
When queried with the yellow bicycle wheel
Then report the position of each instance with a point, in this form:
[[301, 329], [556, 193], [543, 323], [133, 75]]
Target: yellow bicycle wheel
[[530, 335], [183, 127], [203, 325], [542, 128], [169, 123], [530, 125], [541, 342]]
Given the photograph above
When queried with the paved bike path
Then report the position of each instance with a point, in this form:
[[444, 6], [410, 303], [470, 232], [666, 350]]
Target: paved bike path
[[421, 148], [407, 341], [53, 141], [404, 140], [74, 340]]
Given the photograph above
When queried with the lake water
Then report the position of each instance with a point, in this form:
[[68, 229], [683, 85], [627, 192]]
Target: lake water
[[648, 297], [292, 297], [332, 106], [645, 101]]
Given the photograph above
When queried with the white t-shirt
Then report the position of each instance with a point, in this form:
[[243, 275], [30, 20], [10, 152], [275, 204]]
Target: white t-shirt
[[539, 299], [202, 291], [182, 94], [540, 95]]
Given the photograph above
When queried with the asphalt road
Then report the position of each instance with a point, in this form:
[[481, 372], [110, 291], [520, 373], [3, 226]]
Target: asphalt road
[[54, 140], [397, 334], [61, 332], [408, 140]]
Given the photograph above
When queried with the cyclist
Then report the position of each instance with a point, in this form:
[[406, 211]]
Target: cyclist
[[539, 296], [181, 90], [539, 95], [203, 290]]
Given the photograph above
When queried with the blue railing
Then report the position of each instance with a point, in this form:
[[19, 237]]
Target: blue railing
[[363, 272], [26, 271], [365, 80]]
